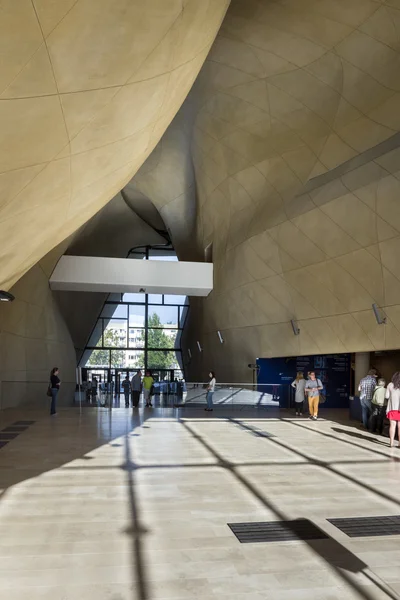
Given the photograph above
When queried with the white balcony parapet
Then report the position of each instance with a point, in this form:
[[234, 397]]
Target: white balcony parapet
[[122, 275]]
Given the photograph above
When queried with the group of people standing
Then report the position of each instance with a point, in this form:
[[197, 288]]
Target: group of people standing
[[309, 388], [378, 401], [133, 389]]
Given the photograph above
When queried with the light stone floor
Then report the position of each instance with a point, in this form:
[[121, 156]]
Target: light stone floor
[[106, 506]]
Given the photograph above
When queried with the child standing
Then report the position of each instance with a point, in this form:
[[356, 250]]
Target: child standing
[[378, 408]]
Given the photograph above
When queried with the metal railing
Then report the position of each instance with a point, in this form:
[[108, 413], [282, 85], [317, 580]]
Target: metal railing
[[181, 394]]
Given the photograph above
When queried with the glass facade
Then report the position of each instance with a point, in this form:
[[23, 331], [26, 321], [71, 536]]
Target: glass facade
[[139, 330]]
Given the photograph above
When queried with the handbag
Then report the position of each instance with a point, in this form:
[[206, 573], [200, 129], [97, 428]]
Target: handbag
[[322, 396], [49, 393]]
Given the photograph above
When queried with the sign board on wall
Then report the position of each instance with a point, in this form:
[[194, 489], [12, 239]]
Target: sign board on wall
[[334, 370]]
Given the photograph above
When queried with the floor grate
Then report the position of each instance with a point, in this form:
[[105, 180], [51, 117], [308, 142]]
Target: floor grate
[[277, 531], [12, 431], [368, 526]]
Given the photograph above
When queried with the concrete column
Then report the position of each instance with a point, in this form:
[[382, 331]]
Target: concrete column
[[362, 366]]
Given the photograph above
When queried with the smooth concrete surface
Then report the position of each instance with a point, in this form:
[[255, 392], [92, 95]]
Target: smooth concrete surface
[[84, 99], [293, 128], [33, 339], [107, 505], [124, 275]]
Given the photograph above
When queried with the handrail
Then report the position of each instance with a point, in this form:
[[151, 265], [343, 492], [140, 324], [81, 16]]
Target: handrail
[[229, 383]]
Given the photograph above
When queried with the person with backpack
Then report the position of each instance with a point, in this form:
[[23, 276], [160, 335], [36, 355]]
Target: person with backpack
[[313, 388]]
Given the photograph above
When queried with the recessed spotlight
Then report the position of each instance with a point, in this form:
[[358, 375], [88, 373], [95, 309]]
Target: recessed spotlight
[[6, 296]]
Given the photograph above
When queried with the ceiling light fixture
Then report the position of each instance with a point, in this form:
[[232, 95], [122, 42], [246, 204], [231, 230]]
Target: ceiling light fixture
[[379, 315], [221, 339], [6, 296], [295, 327]]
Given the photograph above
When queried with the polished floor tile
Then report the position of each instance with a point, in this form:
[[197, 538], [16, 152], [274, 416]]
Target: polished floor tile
[[106, 505]]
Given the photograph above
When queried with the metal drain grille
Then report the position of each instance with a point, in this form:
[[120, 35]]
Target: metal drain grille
[[13, 431], [368, 526], [7, 436], [276, 531]]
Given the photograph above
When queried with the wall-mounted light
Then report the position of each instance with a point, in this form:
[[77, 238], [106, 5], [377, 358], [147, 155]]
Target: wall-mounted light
[[199, 346], [221, 339], [295, 327], [379, 316], [6, 296], [189, 353]]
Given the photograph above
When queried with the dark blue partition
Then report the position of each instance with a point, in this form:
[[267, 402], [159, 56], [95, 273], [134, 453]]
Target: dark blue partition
[[334, 370]]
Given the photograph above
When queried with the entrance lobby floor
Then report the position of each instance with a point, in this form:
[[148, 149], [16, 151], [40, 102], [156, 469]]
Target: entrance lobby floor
[[110, 505]]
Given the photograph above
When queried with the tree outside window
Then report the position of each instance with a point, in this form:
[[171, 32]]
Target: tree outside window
[[102, 357], [157, 338]]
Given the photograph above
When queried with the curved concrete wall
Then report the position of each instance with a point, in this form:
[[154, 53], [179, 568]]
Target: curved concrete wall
[[87, 88], [293, 187], [33, 340]]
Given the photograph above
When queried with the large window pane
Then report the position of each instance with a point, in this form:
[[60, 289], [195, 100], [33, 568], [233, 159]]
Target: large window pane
[[134, 359], [162, 360], [116, 311], [136, 316], [175, 299], [98, 358], [133, 297], [161, 338], [162, 254], [115, 334], [136, 338], [118, 358], [163, 316], [155, 299]]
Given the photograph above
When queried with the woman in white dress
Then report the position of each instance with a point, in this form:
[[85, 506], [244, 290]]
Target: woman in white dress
[[299, 384]]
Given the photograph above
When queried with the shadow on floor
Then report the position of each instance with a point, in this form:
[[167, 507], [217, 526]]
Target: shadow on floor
[[342, 560], [61, 450], [360, 436]]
